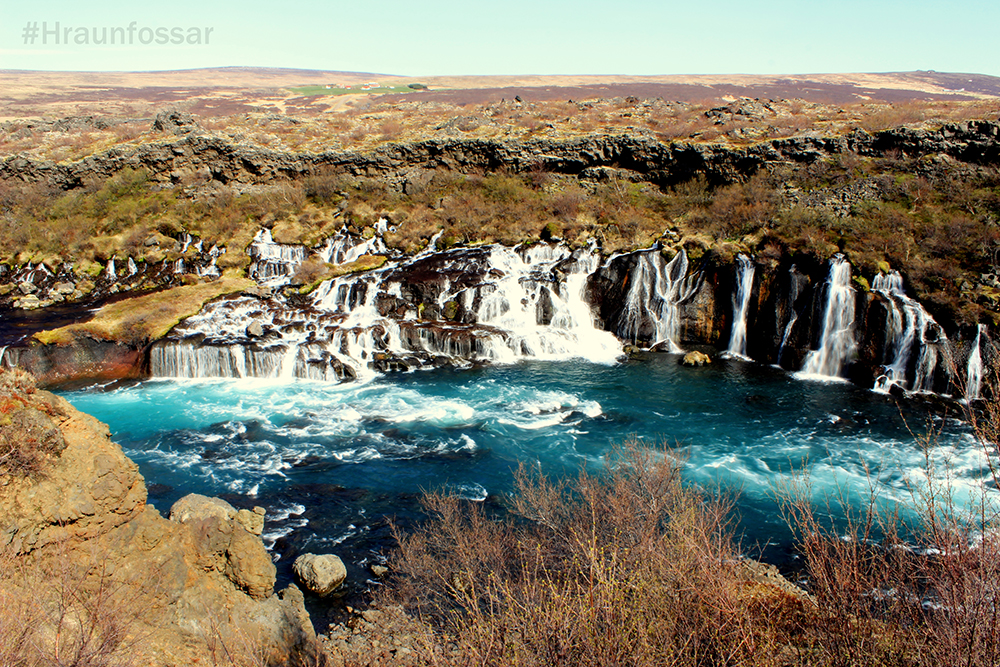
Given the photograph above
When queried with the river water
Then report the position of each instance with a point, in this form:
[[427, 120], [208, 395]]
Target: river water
[[332, 462]]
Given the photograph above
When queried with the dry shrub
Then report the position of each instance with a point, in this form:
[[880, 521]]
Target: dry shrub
[[73, 607], [624, 568], [27, 433], [927, 598]]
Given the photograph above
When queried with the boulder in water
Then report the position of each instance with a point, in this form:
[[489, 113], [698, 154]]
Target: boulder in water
[[320, 573], [695, 358]]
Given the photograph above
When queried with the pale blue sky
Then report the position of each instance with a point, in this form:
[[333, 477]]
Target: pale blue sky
[[440, 37]]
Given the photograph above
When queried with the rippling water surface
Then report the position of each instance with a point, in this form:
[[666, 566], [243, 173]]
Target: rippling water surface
[[330, 462]]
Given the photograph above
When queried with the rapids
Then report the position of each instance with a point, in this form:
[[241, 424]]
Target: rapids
[[331, 462]]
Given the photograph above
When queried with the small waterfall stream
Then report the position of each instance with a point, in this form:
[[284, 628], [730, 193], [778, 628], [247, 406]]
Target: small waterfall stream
[[837, 346], [741, 299], [656, 288], [909, 341], [973, 373]]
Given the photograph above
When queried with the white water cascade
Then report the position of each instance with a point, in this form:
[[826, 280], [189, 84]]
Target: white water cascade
[[973, 373], [656, 288], [907, 334], [274, 263], [539, 302], [836, 346], [492, 304], [741, 299]]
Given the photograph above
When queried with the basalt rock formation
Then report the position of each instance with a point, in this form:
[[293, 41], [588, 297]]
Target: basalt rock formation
[[78, 540], [590, 157]]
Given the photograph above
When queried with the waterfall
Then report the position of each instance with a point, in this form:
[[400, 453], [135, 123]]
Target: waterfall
[[273, 263], [109, 270], [908, 337], [973, 373], [836, 345], [537, 300], [491, 303], [132, 268], [656, 288], [795, 281], [741, 299], [342, 248], [3, 351]]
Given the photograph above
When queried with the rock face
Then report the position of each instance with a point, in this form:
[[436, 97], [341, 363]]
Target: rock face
[[84, 360], [636, 157], [321, 574], [201, 580]]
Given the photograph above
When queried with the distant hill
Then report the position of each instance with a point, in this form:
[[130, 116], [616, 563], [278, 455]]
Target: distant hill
[[228, 90]]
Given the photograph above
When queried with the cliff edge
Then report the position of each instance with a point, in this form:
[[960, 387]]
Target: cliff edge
[[89, 569]]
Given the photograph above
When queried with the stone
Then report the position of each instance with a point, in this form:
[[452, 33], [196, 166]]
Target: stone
[[176, 122], [320, 573], [379, 570], [695, 358], [252, 521], [249, 566], [27, 287], [195, 507], [30, 302], [255, 330], [63, 288]]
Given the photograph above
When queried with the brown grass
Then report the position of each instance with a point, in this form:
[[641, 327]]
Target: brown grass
[[28, 436], [623, 568], [145, 318]]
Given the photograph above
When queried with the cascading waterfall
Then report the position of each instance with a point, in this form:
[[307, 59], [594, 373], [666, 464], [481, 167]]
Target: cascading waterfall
[[274, 263], [526, 302], [973, 373], [907, 333], [109, 270], [656, 289], [539, 301], [836, 346], [741, 299], [796, 280]]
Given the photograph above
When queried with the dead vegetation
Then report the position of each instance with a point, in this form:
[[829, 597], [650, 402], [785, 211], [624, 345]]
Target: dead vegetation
[[28, 436], [628, 566]]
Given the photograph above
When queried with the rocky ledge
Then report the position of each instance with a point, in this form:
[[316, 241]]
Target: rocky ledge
[[78, 541], [598, 156]]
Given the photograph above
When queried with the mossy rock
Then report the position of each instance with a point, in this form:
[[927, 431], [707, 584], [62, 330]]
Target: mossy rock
[[862, 283]]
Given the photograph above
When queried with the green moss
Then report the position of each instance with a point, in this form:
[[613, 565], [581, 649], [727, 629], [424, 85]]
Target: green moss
[[862, 283]]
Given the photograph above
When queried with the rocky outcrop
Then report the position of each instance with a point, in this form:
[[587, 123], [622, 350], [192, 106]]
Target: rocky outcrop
[[199, 582], [84, 359], [695, 358], [642, 158], [320, 573]]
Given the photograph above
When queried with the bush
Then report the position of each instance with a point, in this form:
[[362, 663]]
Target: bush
[[27, 433], [624, 568]]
